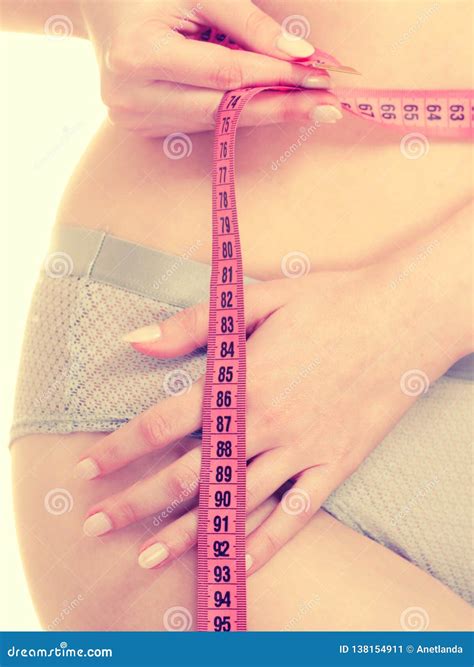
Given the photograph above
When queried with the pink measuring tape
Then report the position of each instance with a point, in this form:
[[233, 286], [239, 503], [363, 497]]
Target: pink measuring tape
[[222, 604]]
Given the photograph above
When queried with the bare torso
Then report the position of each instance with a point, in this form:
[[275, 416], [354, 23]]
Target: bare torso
[[345, 197]]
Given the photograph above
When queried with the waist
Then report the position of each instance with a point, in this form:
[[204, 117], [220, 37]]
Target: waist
[[341, 206]]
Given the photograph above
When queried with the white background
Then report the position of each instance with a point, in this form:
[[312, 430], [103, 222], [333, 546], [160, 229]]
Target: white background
[[50, 109]]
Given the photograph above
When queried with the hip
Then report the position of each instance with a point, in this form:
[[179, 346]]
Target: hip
[[77, 375]]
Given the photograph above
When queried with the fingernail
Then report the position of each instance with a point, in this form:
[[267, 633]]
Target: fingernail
[[316, 81], [294, 47], [143, 335], [97, 524], [248, 562], [86, 469], [326, 113], [153, 556]]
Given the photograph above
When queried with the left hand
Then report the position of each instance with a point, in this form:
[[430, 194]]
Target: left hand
[[325, 358], [156, 81]]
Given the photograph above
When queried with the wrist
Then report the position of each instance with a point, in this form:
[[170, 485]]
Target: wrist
[[427, 288]]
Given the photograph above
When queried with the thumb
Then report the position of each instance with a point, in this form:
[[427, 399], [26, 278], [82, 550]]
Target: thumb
[[253, 29], [187, 331]]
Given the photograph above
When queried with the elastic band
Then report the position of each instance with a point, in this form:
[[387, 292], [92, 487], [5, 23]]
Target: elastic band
[[173, 279]]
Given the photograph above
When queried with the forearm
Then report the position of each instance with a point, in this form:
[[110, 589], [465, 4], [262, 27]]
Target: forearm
[[33, 16], [429, 292]]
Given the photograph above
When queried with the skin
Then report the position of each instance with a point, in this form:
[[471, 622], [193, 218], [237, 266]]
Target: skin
[[329, 438], [327, 184], [328, 577]]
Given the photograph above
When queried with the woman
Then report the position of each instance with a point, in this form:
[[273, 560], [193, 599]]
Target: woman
[[382, 297]]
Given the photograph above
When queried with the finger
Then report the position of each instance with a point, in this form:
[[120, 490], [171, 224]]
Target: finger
[[171, 487], [188, 61], [296, 508], [156, 111], [187, 330], [252, 28], [171, 542], [164, 423], [180, 535]]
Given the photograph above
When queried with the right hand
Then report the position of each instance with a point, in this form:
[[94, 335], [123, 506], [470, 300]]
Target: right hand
[[155, 81]]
